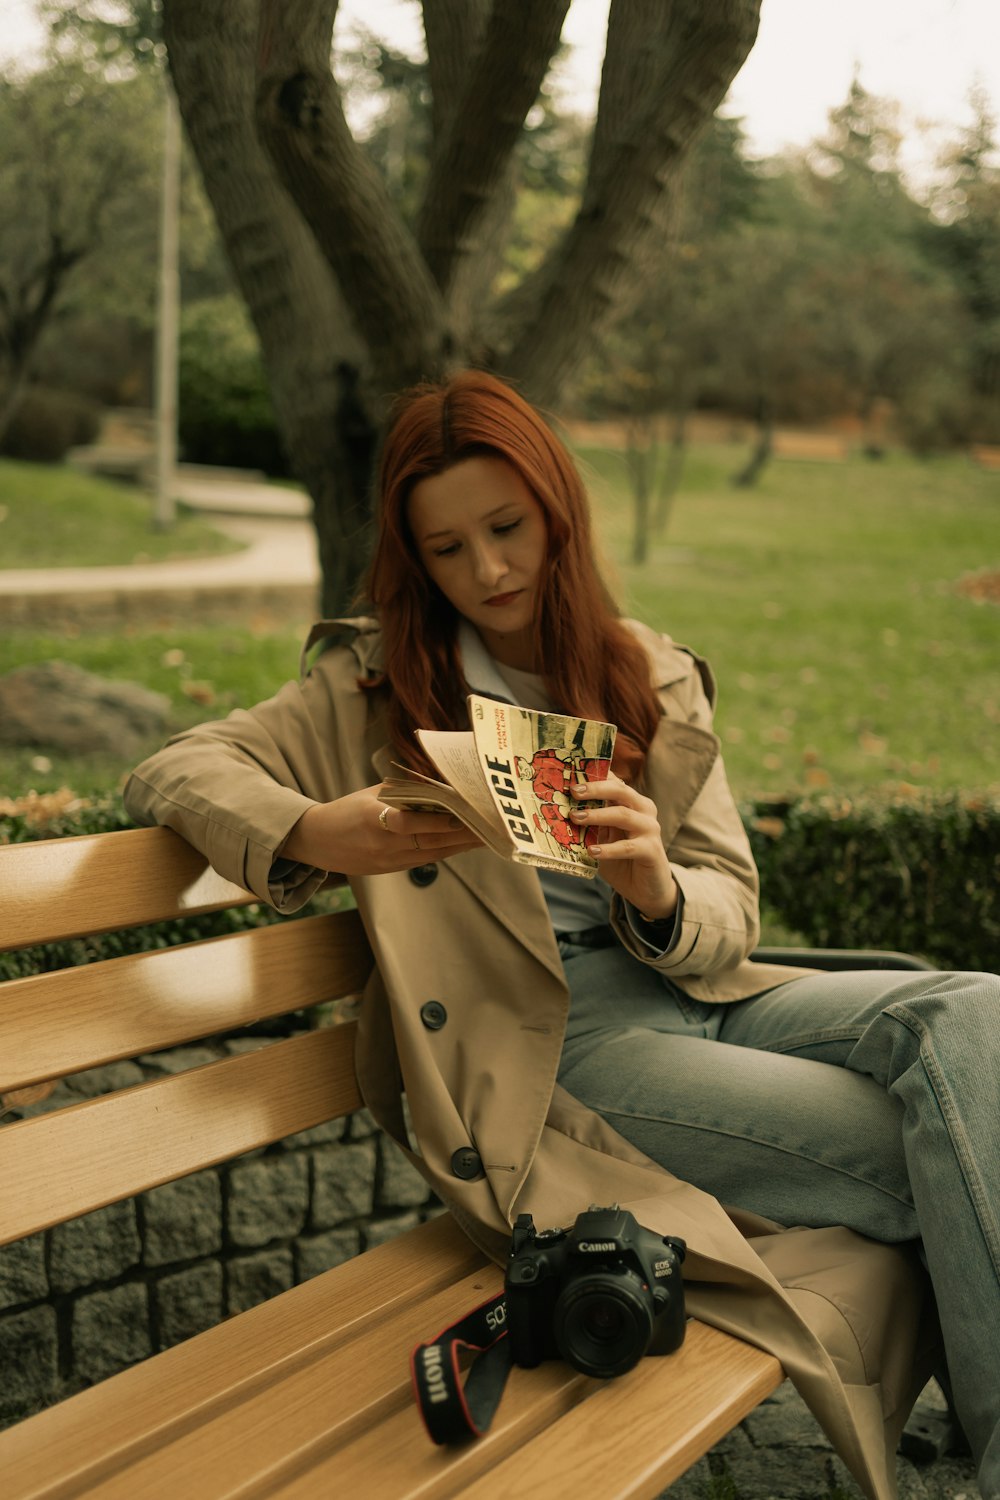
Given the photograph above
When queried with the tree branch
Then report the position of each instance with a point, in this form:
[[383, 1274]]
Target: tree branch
[[501, 84], [453, 30], [381, 273], [695, 48]]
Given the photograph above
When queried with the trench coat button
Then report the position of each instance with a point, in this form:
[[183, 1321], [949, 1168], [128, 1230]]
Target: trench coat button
[[466, 1164], [433, 1015], [424, 874]]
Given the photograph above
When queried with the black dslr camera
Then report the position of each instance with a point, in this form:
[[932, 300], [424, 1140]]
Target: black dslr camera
[[601, 1294]]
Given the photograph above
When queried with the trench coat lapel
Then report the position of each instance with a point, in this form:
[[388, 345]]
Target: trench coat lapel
[[678, 764]]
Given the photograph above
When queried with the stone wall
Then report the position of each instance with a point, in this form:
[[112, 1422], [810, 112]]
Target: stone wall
[[90, 1297]]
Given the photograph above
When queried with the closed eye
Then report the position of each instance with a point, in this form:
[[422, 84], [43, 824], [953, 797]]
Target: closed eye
[[507, 527]]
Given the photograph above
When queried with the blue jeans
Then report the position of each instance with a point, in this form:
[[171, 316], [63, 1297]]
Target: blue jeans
[[869, 1099]]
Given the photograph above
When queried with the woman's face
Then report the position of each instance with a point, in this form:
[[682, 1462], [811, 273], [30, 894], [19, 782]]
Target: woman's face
[[480, 534]]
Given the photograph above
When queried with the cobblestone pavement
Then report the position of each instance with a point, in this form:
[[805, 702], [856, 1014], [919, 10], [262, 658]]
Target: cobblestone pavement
[[779, 1453]]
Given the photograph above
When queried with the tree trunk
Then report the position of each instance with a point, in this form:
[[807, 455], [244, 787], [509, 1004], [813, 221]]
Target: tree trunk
[[673, 468], [315, 363], [10, 394], [639, 451], [25, 312], [747, 477]]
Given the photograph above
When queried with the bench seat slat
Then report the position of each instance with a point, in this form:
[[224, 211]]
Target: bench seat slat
[[52, 1025], [654, 1422], [107, 1149], [97, 882], [396, 1458], [58, 1452], [305, 1410]]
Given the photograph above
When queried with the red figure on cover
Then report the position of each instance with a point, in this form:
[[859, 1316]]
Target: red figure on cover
[[552, 773]]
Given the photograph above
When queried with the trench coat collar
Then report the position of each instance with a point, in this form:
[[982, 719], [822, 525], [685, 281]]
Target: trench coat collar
[[679, 761]]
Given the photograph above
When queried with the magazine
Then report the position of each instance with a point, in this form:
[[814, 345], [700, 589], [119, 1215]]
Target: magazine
[[509, 780]]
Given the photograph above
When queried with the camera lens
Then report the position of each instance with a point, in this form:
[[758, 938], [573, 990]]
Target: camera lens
[[603, 1323]]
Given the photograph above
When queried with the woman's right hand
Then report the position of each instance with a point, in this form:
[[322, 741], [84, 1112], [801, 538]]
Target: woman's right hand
[[346, 836]]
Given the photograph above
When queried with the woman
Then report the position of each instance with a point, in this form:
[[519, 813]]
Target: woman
[[562, 1042]]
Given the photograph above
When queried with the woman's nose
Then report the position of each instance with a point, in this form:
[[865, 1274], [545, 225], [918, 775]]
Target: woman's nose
[[490, 564]]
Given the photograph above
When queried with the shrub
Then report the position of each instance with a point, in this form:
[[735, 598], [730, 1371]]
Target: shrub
[[47, 423], [225, 414], [918, 873]]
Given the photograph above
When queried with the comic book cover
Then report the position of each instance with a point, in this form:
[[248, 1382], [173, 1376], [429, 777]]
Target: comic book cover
[[529, 762], [510, 781]]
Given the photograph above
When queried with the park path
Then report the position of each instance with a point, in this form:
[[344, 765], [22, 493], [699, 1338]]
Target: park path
[[278, 568]]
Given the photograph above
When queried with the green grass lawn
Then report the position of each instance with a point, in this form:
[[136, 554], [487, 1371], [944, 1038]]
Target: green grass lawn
[[825, 599], [53, 517]]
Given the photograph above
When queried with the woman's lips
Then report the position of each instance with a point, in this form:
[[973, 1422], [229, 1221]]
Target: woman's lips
[[500, 599]]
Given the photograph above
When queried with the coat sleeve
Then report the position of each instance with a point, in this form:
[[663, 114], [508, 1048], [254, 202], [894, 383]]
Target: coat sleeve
[[234, 789], [709, 852]]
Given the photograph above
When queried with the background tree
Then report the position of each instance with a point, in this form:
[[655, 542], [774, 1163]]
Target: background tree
[[76, 177], [803, 288], [352, 301], [965, 240], [658, 361]]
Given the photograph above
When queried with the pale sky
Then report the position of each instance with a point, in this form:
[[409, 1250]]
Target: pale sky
[[926, 54]]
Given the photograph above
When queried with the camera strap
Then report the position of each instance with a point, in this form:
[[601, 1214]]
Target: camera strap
[[452, 1412]]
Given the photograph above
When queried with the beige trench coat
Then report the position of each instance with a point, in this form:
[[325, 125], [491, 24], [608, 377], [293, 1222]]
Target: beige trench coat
[[850, 1320]]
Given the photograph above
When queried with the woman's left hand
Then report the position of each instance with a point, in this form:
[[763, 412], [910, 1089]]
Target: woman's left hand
[[629, 848]]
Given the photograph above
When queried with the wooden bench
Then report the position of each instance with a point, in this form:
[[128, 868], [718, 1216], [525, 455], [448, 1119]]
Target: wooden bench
[[307, 1394]]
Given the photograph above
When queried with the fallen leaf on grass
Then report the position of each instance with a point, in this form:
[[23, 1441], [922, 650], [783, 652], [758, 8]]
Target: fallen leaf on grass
[[42, 807], [872, 744], [199, 692]]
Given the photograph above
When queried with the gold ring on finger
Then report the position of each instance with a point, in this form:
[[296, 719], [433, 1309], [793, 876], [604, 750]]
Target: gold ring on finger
[[382, 823]]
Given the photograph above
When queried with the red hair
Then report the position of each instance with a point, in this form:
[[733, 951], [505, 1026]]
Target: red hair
[[594, 666]]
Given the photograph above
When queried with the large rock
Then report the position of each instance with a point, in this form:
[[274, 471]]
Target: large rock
[[59, 706]]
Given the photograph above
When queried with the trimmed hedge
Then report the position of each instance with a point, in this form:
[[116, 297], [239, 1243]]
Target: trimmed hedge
[[47, 423], [917, 873]]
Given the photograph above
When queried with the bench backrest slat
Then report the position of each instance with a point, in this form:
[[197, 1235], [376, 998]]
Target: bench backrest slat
[[52, 1025], [56, 1166], [64, 888]]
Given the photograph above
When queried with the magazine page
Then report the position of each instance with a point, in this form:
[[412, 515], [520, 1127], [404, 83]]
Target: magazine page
[[453, 752], [529, 762], [414, 792]]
